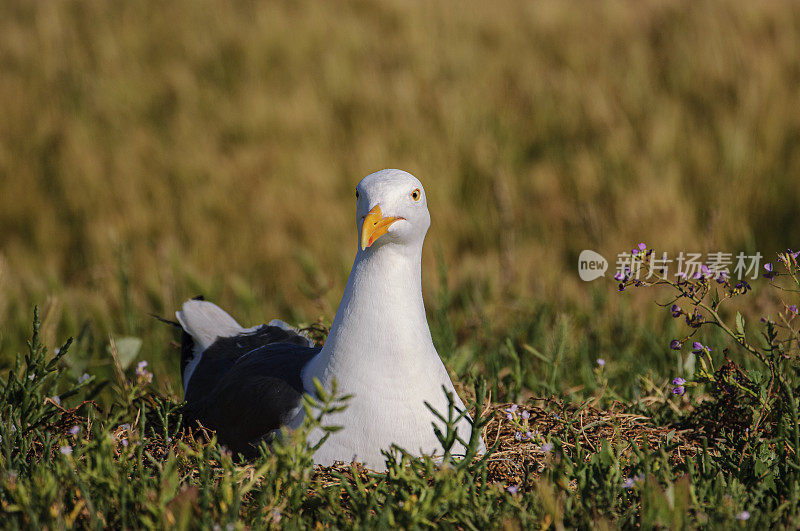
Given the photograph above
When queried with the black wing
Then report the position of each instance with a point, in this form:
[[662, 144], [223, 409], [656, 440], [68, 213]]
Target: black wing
[[245, 385]]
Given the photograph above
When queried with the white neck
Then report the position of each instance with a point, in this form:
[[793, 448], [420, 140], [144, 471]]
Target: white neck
[[380, 330]]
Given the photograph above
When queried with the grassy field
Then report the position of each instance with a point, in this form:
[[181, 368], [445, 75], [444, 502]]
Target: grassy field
[[150, 152]]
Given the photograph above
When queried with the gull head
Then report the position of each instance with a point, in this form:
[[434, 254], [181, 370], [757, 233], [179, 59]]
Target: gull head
[[391, 209]]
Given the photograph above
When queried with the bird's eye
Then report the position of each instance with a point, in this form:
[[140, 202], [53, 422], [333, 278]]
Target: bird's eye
[[356, 194], [415, 195]]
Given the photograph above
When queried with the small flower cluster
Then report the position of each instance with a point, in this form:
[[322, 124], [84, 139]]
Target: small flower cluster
[[693, 282], [527, 436], [699, 348], [789, 258], [143, 376], [124, 433], [679, 384], [520, 419], [698, 297], [679, 388], [626, 275], [639, 248], [695, 319], [741, 288]]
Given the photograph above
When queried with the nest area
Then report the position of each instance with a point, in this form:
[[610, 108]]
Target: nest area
[[574, 424], [518, 454]]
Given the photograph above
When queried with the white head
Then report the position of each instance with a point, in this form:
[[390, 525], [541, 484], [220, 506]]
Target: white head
[[391, 209]]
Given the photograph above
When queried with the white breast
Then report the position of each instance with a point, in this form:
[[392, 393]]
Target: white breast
[[380, 350]]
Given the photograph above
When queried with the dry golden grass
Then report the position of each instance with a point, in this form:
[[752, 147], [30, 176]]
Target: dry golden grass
[[150, 151]]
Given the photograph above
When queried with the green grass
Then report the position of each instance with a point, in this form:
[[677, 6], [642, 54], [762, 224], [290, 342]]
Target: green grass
[[153, 152], [71, 463]]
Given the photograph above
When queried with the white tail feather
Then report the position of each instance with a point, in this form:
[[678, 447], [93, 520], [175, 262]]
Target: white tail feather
[[205, 322]]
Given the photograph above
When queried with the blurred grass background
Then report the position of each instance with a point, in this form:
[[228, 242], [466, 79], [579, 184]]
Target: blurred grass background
[[150, 152]]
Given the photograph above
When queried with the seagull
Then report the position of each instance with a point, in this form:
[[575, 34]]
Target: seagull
[[248, 383]]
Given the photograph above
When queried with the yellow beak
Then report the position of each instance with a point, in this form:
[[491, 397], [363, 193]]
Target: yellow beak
[[375, 226]]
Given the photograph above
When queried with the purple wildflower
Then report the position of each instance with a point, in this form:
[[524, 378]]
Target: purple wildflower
[[676, 310], [744, 515], [793, 308], [628, 483], [142, 373], [675, 344], [525, 415], [619, 276], [695, 319], [678, 381], [601, 362], [546, 447], [519, 436], [511, 412], [634, 251], [84, 378], [642, 246], [66, 450], [697, 347], [512, 489], [742, 287], [770, 271], [75, 430]]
